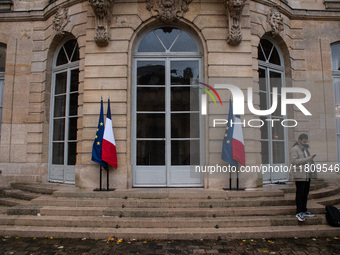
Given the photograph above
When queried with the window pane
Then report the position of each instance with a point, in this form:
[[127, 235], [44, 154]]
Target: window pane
[[260, 54], [58, 154], [275, 57], [1, 90], [335, 57], [183, 71], [150, 73], [336, 82], [75, 54], [62, 59], [264, 152], [150, 43], [184, 43], [151, 153], [185, 125], [0, 119], [167, 35], [72, 129], [60, 83], [59, 130], [262, 79], [338, 120], [59, 106], [150, 99], [267, 47], [2, 58], [278, 152], [184, 99], [277, 112], [70, 48], [277, 130], [338, 140], [73, 104], [72, 153], [275, 81], [150, 125], [263, 101], [264, 128], [74, 80], [185, 153]]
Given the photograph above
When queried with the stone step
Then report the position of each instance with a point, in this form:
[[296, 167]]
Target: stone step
[[166, 222], [301, 231], [315, 185], [7, 201], [167, 194], [161, 203], [35, 187], [331, 200], [23, 210], [19, 194], [320, 193], [159, 212]]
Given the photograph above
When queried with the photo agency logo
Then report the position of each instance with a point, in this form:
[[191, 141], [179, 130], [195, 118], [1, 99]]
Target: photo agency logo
[[299, 96]]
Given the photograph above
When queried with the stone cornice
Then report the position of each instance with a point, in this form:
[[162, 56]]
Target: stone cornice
[[302, 14], [51, 9], [36, 15]]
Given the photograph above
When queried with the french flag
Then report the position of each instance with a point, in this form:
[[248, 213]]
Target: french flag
[[109, 152], [238, 142], [233, 143]]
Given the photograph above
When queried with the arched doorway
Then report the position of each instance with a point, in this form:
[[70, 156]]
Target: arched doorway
[[166, 121], [273, 134], [64, 113]]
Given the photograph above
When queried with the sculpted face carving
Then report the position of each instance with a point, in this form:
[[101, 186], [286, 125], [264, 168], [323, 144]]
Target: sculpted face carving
[[168, 10], [234, 11], [275, 20], [100, 7], [103, 12], [167, 3], [60, 20], [236, 7]]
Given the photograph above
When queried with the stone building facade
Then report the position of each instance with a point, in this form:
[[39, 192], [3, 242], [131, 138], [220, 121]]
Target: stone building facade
[[59, 58]]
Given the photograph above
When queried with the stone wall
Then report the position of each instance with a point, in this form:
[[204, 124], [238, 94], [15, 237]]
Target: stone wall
[[106, 72]]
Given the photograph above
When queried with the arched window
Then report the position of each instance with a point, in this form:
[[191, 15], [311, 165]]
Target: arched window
[[64, 113], [2, 77], [166, 125], [335, 48], [273, 134]]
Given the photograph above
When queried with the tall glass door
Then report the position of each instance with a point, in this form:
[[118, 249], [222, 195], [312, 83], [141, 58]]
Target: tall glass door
[[166, 131]]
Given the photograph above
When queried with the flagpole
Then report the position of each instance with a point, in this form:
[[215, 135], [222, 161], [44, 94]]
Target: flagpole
[[107, 178], [237, 180], [230, 180], [100, 178]]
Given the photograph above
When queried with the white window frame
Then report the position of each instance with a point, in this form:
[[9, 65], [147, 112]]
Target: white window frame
[[267, 67], [336, 75], [67, 169]]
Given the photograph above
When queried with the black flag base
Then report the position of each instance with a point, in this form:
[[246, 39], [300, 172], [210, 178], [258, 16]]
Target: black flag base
[[107, 181], [237, 183], [104, 189]]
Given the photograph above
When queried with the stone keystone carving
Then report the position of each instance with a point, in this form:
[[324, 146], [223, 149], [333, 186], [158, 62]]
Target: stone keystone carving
[[60, 20], [103, 11], [234, 10], [168, 10], [275, 20]]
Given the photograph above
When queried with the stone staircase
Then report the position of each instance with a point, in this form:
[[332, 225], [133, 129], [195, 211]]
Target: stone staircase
[[62, 211]]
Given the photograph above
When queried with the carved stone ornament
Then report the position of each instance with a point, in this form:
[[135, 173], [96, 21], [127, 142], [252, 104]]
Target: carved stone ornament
[[60, 20], [275, 20], [168, 10], [103, 11], [234, 11]]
